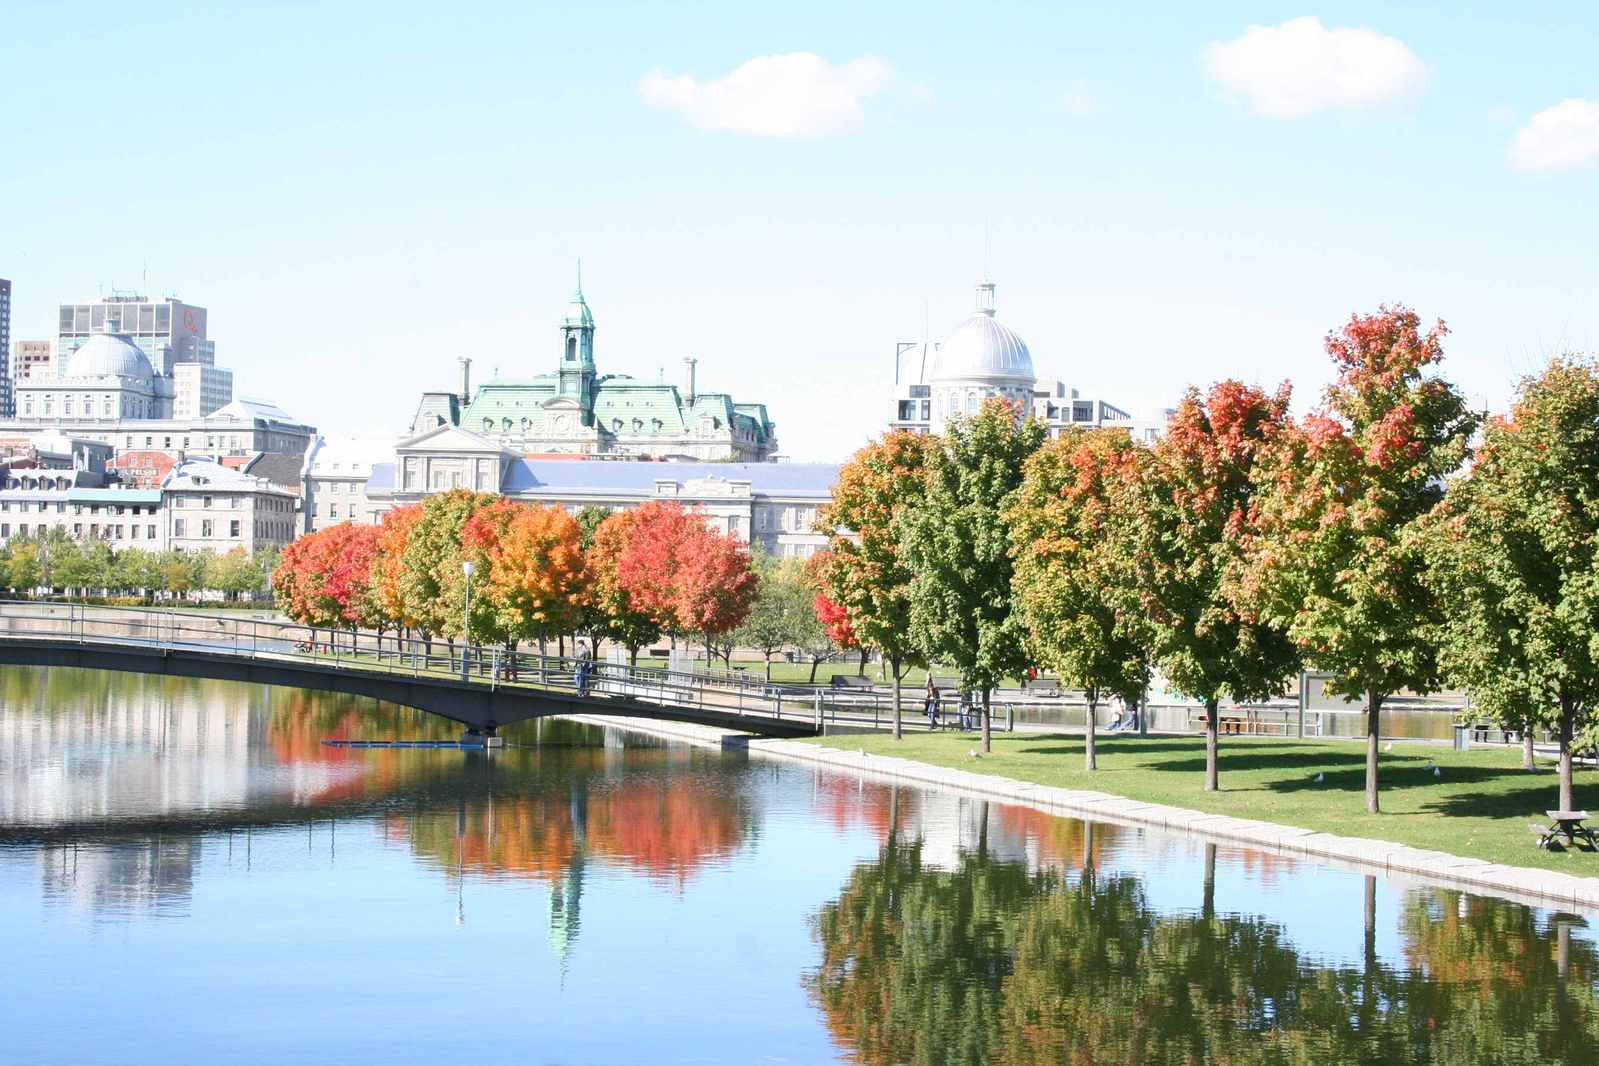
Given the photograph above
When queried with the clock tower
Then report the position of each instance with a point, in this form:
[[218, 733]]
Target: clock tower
[[577, 353]]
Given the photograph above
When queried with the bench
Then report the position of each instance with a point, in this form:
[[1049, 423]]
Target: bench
[[1228, 723], [851, 681], [1042, 686]]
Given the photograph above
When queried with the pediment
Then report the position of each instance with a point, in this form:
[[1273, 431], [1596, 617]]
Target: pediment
[[450, 439]]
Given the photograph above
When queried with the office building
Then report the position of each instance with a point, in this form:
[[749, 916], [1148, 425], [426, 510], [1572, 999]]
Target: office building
[[8, 398], [168, 330], [31, 359]]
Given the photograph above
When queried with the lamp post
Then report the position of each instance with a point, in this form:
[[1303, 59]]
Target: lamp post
[[466, 621]]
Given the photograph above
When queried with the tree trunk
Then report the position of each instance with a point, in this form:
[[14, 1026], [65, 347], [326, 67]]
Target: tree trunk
[[1090, 721], [768, 668], [988, 734], [1526, 750], [1568, 715], [899, 731], [1207, 904], [1373, 712], [1212, 732], [632, 656], [1143, 712], [814, 663]]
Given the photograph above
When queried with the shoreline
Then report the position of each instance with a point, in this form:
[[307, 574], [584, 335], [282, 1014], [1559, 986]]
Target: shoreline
[[1521, 884]]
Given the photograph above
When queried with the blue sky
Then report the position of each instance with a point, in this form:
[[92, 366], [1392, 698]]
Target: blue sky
[[360, 193]]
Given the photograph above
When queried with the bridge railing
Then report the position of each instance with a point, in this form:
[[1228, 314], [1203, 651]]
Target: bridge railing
[[475, 665]]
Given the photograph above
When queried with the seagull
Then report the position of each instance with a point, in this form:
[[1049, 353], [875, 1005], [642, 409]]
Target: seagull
[[973, 753], [1436, 772], [1320, 778], [1388, 746], [1430, 765]]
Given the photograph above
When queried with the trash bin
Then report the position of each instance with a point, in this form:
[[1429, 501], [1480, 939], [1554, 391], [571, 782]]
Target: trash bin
[[1462, 736]]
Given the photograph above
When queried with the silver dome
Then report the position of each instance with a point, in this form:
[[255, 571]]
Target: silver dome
[[109, 355], [983, 349]]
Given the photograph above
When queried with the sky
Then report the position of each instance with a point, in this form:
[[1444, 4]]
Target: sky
[[1166, 195]]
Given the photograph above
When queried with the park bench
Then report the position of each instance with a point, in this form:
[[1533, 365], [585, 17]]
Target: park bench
[[1568, 824], [1042, 686], [850, 681], [1227, 723]]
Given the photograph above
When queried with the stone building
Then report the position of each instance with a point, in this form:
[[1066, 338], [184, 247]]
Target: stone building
[[981, 359], [576, 410]]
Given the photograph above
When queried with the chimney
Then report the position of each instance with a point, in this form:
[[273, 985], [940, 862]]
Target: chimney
[[466, 379], [692, 362]]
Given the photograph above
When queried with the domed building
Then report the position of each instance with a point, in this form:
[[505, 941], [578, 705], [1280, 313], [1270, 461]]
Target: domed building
[[981, 359], [107, 377]]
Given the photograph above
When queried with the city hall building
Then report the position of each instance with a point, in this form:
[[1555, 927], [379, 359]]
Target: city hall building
[[576, 410]]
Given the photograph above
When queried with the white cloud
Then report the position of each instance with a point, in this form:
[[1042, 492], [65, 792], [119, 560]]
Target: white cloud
[[797, 94], [1300, 67], [1566, 135]]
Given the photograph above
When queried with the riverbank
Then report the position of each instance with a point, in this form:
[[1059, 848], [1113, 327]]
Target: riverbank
[[1478, 807]]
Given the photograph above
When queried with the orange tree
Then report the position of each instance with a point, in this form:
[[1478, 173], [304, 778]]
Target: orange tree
[[481, 537], [863, 570], [430, 580], [388, 567], [537, 583], [349, 582], [1331, 556], [299, 581], [1189, 519], [1070, 567], [612, 614]]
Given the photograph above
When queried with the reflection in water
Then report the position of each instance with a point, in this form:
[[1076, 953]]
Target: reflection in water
[[594, 872], [993, 960]]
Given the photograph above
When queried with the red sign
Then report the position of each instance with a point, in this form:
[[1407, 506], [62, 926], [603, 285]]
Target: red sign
[[145, 469]]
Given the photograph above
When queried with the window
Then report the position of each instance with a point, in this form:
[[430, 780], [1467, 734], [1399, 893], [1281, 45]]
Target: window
[[205, 527], [971, 403], [233, 529], [178, 527], [333, 510], [134, 529], [207, 503], [149, 531]]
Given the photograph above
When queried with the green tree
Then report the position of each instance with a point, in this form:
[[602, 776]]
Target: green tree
[[1188, 521], [863, 570], [24, 571], [956, 544], [778, 617], [432, 584], [1069, 580], [1332, 559], [1515, 561], [181, 572], [136, 570]]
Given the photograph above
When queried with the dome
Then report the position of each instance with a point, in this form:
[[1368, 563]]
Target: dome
[[109, 355], [982, 349]]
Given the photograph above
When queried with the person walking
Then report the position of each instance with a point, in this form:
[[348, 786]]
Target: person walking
[[930, 702], [580, 674]]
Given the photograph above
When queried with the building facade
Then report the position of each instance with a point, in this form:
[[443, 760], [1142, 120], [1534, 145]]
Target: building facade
[[982, 359], [336, 474], [8, 399], [771, 506], [168, 330], [199, 506], [31, 359], [576, 410]]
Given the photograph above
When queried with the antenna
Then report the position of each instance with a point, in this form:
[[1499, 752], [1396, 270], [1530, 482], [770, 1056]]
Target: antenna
[[580, 274]]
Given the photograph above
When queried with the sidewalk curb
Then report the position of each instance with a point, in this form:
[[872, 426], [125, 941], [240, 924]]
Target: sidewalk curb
[[1540, 888]]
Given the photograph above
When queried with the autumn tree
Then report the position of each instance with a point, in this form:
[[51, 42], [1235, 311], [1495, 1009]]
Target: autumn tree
[[835, 623], [863, 570], [431, 582], [685, 575], [1069, 578], [955, 544], [537, 580], [1189, 522], [1331, 555], [1515, 553], [779, 610], [388, 567], [612, 614]]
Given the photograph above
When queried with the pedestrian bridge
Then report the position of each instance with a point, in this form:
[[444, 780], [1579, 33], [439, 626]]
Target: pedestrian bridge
[[481, 688]]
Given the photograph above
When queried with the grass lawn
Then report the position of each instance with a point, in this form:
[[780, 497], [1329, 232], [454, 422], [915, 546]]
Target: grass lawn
[[1480, 807]]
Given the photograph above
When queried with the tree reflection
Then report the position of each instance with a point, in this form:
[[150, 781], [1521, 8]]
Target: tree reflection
[[992, 963]]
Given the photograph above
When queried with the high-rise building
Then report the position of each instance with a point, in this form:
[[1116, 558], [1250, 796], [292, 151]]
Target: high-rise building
[[169, 331], [8, 398], [30, 359]]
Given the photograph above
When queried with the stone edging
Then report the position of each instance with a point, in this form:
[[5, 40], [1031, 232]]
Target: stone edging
[[1538, 887]]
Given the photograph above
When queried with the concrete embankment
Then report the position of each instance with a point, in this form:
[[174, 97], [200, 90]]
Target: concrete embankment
[[1540, 888]]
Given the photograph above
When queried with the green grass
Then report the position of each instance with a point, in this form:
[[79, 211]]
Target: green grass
[[1480, 808]]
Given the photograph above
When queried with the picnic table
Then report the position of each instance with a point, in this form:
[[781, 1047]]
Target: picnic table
[[1568, 824]]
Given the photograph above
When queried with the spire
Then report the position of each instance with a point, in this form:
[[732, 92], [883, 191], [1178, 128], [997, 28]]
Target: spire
[[580, 278]]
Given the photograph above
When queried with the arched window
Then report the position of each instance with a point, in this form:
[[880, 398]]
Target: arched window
[[488, 425], [954, 404], [971, 403], [571, 347]]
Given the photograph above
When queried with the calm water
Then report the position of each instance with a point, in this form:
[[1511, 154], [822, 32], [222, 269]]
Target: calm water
[[187, 874]]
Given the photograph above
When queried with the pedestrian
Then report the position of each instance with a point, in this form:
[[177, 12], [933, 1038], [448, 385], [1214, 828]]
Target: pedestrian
[[930, 702], [581, 672]]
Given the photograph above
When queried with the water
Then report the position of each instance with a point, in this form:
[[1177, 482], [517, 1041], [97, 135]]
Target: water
[[188, 874]]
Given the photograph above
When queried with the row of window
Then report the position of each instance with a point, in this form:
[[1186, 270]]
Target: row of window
[[60, 507], [207, 528], [109, 531]]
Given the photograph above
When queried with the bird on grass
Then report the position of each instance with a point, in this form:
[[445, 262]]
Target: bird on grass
[[1319, 778], [1437, 772], [1388, 746], [974, 753]]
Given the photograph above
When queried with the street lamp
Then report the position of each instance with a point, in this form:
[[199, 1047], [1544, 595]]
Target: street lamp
[[466, 621]]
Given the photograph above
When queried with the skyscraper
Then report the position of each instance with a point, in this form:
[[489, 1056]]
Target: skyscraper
[[8, 399], [168, 330]]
